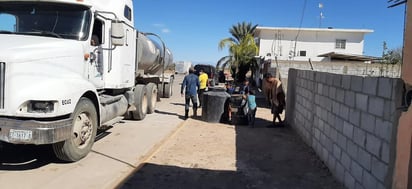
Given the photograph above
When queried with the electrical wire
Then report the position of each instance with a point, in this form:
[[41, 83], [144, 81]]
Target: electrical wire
[[300, 26]]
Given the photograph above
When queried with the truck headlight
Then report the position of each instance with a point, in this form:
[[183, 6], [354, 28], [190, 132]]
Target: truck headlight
[[40, 106]]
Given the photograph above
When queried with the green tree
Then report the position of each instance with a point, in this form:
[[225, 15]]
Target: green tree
[[391, 56], [242, 49]]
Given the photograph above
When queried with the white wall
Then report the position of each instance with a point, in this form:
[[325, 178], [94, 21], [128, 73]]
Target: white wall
[[314, 42]]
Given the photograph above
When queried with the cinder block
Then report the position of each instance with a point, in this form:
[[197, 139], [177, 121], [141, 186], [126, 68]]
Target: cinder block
[[344, 112], [364, 158], [326, 129], [346, 82], [379, 169], [357, 171], [331, 118], [336, 108], [368, 122], [385, 153], [340, 172], [354, 116], [359, 136], [356, 83], [376, 106], [321, 125], [338, 124], [380, 186], [383, 129], [385, 87], [342, 141], [349, 180], [332, 92], [350, 99], [325, 155], [348, 130], [369, 181], [352, 149], [337, 78], [340, 95], [370, 85], [325, 90], [336, 151], [362, 102], [329, 78], [316, 133], [390, 109], [331, 163], [333, 135], [345, 159], [373, 144], [358, 186], [329, 145], [320, 88]]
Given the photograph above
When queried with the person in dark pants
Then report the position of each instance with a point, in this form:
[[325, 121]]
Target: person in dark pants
[[190, 85], [252, 106], [203, 78]]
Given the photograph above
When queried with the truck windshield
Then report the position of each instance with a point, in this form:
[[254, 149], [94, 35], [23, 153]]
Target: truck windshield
[[45, 19]]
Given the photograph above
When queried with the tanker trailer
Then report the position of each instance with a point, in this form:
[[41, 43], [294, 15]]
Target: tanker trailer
[[152, 62]]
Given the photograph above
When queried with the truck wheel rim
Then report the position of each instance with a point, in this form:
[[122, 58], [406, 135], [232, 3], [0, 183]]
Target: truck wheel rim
[[82, 130]]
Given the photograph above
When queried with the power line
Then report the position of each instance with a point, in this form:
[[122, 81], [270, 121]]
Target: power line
[[300, 26]]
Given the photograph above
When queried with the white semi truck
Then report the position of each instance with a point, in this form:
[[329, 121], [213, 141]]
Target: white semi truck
[[69, 67]]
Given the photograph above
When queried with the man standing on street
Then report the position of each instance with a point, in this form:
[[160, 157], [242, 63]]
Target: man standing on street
[[203, 78], [190, 85]]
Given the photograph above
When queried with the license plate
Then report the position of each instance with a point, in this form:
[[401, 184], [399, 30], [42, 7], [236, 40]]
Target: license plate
[[20, 135]]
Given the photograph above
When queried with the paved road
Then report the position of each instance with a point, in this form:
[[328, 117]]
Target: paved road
[[118, 151]]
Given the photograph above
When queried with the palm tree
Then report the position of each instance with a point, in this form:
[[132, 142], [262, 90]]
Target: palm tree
[[242, 49], [240, 30]]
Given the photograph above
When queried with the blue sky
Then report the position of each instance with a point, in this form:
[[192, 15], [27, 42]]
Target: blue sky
[[193, 29]]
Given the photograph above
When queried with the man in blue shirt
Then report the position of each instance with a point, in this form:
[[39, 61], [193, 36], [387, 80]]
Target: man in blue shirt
[[190, 85]]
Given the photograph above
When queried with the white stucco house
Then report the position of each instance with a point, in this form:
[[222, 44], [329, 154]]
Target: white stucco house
[[316, 44]]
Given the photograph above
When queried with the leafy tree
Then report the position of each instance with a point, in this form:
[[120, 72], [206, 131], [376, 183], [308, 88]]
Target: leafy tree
[[391, 56], [242, 49]]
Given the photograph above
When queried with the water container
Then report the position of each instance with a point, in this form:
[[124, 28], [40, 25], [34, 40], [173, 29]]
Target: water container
[[215, 106]]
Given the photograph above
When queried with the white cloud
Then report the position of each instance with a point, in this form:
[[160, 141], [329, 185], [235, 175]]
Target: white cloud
[[165, 30], [158, 25]]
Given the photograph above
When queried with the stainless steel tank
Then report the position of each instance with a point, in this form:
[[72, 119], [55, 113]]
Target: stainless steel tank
[[150, 55]]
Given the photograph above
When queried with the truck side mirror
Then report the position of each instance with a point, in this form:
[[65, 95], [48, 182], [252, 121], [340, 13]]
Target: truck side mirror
[[117, 33]]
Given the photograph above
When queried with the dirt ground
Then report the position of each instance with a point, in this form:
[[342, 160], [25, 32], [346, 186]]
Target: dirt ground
[[215, 155]]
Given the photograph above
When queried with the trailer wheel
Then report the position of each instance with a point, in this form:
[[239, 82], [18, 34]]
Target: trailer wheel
[[140, 97], [168, 89], [83, 133], [151, 91]]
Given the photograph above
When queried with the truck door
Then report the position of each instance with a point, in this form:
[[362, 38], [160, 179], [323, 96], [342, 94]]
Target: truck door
[[99, 60]]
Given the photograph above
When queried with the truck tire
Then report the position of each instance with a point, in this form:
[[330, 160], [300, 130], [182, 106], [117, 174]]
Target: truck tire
[[83, 133], [140, 97], [168, 89], [151, 91]]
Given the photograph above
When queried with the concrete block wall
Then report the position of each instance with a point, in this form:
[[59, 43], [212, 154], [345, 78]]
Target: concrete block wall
[[350, 122], [349, 68]]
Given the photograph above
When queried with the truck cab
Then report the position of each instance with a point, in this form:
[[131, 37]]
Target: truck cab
[[68, 67]]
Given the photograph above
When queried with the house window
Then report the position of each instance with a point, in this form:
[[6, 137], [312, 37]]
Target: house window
[[302, 53], [340, 44], [128, 13]]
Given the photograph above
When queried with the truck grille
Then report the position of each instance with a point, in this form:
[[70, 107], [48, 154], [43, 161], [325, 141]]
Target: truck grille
[[2, 83]]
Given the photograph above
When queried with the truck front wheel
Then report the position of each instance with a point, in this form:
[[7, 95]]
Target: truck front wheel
[[83, 133]]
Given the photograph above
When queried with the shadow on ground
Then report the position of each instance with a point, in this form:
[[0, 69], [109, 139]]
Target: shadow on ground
[[15, 157], [265, 158]]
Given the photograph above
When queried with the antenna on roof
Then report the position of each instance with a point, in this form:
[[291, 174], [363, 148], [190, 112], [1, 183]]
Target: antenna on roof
[[320, 14]]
